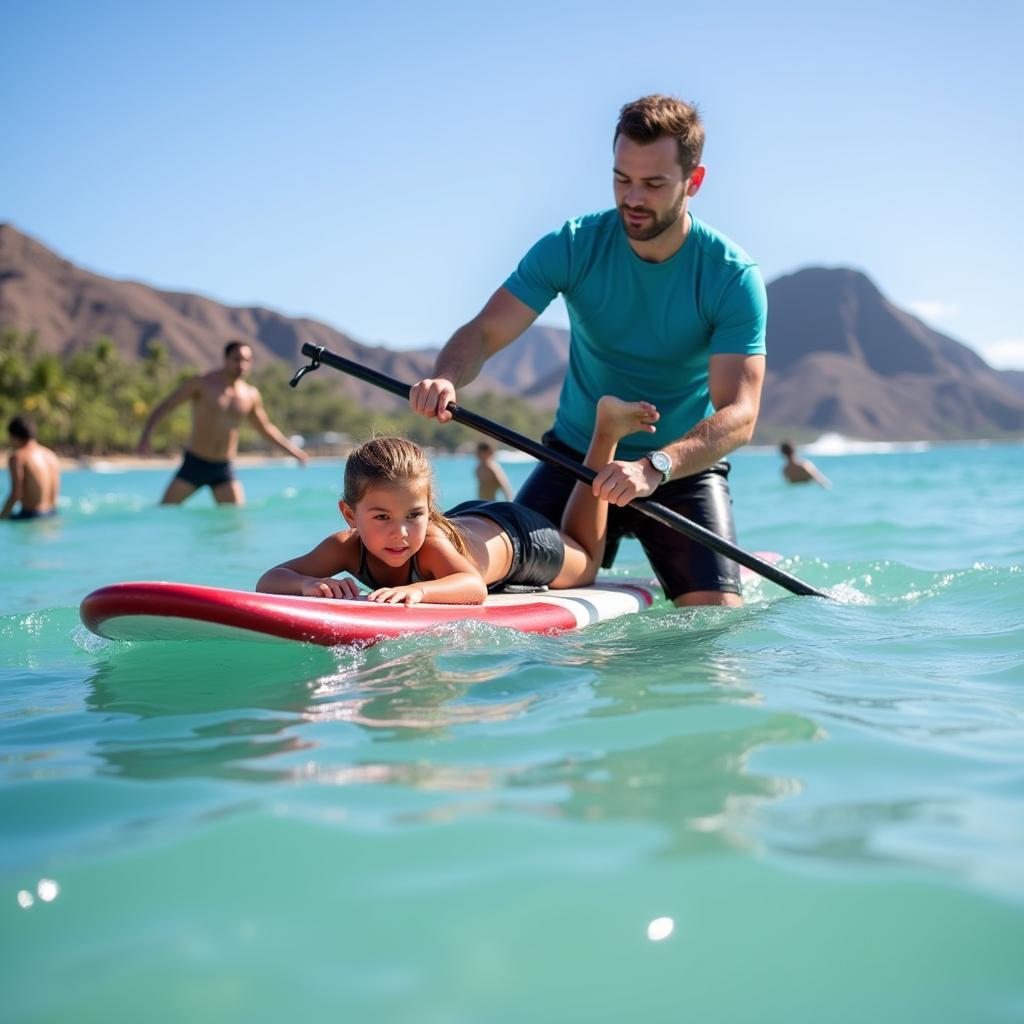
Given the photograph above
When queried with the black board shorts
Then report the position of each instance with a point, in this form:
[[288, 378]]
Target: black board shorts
[[537, 547], [681, 565], [203, 473], [32, 513]]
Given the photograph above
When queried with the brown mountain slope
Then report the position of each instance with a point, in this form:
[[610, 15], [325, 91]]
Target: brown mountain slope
[[69, 308], [1015, 379], [537, 356], [841, 311], [841, 357]]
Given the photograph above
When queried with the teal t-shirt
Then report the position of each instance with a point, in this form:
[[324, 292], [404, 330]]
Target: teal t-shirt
[[642, 330]]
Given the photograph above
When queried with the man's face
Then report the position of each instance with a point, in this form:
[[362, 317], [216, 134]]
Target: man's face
[[238, 362], [650, 187]]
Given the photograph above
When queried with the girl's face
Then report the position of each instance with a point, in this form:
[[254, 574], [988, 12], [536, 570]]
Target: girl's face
[[391, 519]]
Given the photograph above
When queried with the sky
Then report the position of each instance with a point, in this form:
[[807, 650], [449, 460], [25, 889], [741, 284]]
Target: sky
[[383, 168]]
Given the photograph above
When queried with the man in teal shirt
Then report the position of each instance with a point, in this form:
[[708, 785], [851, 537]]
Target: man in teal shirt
[[661, 308]]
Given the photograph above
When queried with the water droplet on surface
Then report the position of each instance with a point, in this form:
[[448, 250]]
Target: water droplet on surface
[[48, 890]]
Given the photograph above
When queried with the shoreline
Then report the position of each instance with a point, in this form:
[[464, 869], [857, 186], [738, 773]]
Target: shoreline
[[125, 460], [99, 462], [826, 445]]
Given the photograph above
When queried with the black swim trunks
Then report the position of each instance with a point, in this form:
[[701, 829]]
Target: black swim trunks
[[681, 565], [537, 547], [204, 473], [33, 513]]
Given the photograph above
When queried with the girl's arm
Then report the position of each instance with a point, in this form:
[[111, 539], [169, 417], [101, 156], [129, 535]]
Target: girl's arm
[[312, 574], [455, 580]]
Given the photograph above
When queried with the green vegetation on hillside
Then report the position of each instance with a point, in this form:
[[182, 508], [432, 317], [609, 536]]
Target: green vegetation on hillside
[[93, 402]]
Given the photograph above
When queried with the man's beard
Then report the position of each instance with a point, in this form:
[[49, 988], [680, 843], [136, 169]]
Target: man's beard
[[657, 226]]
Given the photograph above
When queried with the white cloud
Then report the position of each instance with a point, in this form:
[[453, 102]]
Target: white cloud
[[929, 309], [1006, 354]]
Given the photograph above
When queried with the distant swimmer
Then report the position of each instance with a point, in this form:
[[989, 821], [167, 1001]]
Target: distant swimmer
[[490, 477], [801, 471], [220, 400], [35, 473]]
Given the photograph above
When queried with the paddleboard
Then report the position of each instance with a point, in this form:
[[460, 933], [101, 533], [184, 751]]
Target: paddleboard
[[181, 611]]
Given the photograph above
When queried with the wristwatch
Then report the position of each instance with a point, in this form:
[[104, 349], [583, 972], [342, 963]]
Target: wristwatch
[[662, 463]]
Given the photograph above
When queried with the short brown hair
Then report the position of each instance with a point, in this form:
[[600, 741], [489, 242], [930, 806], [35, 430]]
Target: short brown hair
[[22, 429], [649, 118]]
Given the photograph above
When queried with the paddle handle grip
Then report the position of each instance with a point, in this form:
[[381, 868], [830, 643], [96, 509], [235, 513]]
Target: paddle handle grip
[[653, 509]]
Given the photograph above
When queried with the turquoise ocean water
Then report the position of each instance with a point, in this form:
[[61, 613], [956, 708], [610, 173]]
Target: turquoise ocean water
[[796, 811]]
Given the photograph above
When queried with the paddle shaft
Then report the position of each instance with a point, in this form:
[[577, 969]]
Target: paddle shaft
[[653, 509]]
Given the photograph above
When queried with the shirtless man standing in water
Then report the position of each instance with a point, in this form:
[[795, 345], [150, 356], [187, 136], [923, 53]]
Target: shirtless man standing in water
[[35, 474], [490, 477], [220, 400], [801, 471]]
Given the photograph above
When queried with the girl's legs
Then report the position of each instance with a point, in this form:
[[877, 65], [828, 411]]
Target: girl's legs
[[585, 520]]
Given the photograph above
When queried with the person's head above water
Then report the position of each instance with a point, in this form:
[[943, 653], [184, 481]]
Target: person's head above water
[[237, 359], [389, 479], [21, 429]]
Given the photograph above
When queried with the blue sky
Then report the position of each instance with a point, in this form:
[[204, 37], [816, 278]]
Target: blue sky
[[384, 169]]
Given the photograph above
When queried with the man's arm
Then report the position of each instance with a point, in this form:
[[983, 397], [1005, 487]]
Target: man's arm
[[734, 382], [503, 484], [501, 321], [189, 390], [259, 419], [17, 483], [816, 474]]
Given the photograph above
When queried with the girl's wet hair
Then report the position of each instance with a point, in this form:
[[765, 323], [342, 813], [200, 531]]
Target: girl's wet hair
[[394, 460]]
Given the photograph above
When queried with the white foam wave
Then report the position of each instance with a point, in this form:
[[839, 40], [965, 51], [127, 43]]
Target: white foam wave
[[840, 444]]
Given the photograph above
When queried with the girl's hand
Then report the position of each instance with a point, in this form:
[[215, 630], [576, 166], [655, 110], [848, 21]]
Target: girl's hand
[[408, 595], [330, 587]]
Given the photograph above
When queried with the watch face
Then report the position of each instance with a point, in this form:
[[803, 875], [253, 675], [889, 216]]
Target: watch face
[[660, 461]]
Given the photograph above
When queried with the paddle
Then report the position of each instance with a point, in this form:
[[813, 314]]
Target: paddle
[[663, 515]]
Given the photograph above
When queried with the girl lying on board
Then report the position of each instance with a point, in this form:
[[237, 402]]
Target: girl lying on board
[[406, 551]]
